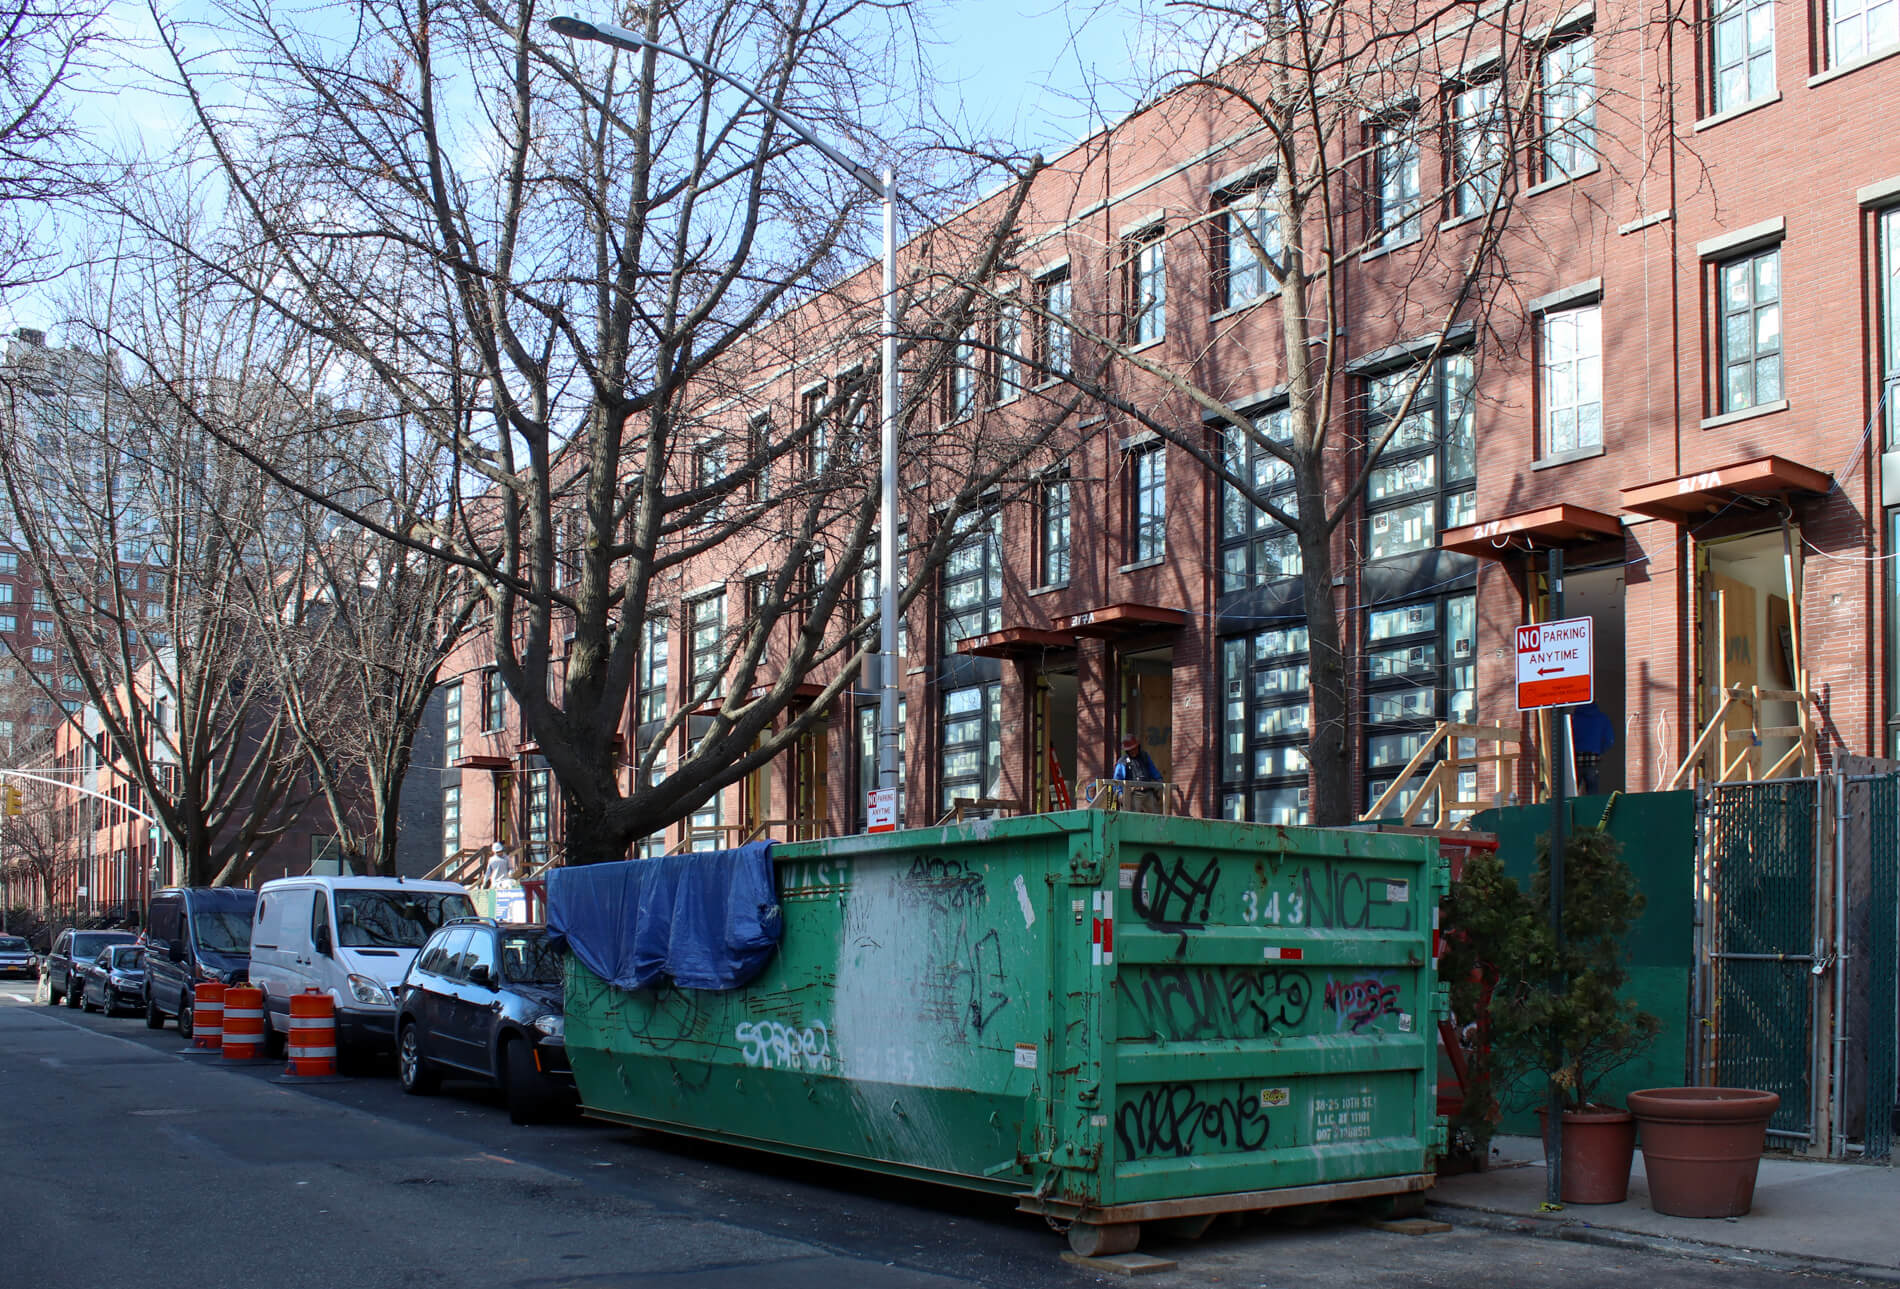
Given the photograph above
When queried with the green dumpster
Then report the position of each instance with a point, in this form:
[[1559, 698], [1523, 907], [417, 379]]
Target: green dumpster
[[1114, 1018]]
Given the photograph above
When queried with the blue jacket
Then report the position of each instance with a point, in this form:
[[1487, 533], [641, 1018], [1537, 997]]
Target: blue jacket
[[1136, 766]]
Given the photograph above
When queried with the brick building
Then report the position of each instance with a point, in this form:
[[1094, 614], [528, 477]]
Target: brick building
[[1685, 379]]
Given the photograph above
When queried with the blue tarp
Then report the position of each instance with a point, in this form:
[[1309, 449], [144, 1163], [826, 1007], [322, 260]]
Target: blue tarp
[[705, 921]]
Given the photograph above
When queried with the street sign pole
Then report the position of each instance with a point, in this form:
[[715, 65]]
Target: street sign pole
[[1559, 812]]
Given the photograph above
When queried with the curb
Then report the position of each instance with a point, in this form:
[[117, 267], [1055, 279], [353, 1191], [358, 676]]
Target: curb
[[1581, 1232]]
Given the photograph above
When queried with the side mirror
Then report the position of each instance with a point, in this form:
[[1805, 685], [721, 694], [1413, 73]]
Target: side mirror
[[324, 946], [482, 974], [175, 950]]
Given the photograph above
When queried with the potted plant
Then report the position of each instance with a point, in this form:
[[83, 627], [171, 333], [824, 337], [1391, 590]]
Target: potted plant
[[1586, 1020]]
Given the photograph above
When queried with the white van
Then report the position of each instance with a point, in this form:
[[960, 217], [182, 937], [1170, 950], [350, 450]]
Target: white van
[[352, 938]]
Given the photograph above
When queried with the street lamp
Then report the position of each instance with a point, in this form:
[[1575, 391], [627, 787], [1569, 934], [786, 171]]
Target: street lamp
[[884, 185]]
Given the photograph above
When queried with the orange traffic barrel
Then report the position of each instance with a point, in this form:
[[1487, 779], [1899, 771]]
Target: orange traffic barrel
[[207, 1015], [312, 1042], [243, 1022]]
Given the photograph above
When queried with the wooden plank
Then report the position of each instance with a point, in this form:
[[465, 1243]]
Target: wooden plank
[[1411, 767], [1695, 752], [1767, 731], [1490, 733]]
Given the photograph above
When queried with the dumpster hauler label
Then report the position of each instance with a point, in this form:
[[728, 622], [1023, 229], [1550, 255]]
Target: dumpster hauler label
[[1405, 1022], [1102, 930], [1342, 1118], [1274, 1098], [1280, 953], [1397, 892], [1022, 898], [1025, 1056], [1126, 875]]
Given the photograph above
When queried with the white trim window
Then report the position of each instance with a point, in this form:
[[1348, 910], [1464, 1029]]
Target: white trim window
[[1248, 225], [1748, 339], [1744, 58], [1147, 286], [1567, 80], [1477, 148], [1857, 28], [1395, 183], [1570, 379]]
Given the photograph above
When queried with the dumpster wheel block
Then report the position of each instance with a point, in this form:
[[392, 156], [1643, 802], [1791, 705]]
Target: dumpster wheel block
[[1100, 1239]]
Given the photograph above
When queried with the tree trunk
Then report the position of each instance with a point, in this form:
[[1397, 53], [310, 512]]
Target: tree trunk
[[590, 836]]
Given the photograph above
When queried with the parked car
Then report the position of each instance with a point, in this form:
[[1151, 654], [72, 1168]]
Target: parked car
[[483, 1000], [350, 937], [68, 957], [17, 957], [194, 934], [114, 980]]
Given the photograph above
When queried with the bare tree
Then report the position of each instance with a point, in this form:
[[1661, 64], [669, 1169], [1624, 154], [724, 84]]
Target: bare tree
[[45, 47], [140, 526], [583, 275], [40, 846], [1333, 114]]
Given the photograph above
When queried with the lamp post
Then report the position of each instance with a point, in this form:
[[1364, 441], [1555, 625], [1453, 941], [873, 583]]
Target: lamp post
[[884, 185]]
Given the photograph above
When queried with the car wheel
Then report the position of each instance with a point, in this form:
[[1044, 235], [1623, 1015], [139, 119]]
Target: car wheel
[[530, 1094], [52, 994], [85, 1001], [154, 1018], [75, 997], [417, 1076], [184, 1014]]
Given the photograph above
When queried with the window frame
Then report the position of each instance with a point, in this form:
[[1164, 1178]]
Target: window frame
[[1738, 12], [1243, 531], [1145, 269], [1832, 23], [494, 702], [1722, 357], [706, 661], [1397, 214], [1054, 293], [1231, 204], [1055, 528], [1564, 126], [1477, 154], [1147, 501], [1547, 400], [985, 611]]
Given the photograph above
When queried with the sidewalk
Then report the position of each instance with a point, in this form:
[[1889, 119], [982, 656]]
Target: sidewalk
[[1819, 1216]]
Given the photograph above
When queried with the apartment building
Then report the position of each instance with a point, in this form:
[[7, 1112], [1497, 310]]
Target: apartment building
[[1676, 364]]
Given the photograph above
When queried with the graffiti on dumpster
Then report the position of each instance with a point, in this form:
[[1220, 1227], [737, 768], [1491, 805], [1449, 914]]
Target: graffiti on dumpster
[[1358, 1003], [1175, 1119], [1173, 895], [942, 885], [1339, 896], [770, 1045], [962, 983], [1184, 1003]]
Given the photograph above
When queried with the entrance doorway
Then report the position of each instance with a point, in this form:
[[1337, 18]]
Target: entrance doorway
[[1147, 703], [1746, 628], [1597, 593], [1053, 714]]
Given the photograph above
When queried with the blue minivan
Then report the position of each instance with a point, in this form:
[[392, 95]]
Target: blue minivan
[[194, 934]]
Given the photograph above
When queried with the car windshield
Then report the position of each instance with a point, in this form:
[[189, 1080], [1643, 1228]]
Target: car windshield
[[395, 919], [222, 930], [128, 958], [12, 944], [86, 947], [528, 958]]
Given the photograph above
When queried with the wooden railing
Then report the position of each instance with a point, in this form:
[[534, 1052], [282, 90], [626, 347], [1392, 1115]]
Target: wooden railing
[[1440, 784], [1140, 796], [961, 805], [1711, 755]]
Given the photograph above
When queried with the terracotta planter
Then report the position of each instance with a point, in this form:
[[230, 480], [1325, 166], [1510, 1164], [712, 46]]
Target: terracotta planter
[[1702, 1146], [1599, 1144]]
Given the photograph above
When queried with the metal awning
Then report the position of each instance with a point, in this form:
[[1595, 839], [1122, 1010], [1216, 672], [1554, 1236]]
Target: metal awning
[[483, 763], [1016, 642], [803, 691], [1121, 620], [1532, 530], [1691, 496]]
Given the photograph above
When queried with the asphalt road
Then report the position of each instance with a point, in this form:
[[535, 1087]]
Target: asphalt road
[[125, 1160]]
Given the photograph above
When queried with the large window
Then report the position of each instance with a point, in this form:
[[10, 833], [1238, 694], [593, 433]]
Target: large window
[[1422, 482], [1264, 720], [973, 583], [813, 410], [1888, 287], [1570, 379], [1395, 180], [1856, 28], [1477, 148], [1255, 547], [1567, 80], [1748, 341], [451, 724], [1145, 285], [708, 625], [1421, 668], [758, 433], [1054, 341], [451, 821], [1147, 502], [1054, 537], [972, 742], [1247, 231], [1744, 61], [651, 702]]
